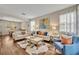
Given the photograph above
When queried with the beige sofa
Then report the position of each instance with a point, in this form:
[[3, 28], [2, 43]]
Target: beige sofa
[[18, 35]]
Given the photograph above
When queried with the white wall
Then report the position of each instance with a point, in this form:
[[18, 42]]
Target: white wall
[[10, 22], [3, 29], [54, 17]]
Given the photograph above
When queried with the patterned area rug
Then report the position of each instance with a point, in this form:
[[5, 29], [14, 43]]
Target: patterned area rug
[[51, 50]]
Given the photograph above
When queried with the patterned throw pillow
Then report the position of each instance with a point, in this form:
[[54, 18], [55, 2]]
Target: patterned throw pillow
[[66, 40]]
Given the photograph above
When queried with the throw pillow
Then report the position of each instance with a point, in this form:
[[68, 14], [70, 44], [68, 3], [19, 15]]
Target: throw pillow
[[65, 40]]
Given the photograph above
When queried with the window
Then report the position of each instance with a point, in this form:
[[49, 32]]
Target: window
[[63, 23], [67, 22], [32, 25]]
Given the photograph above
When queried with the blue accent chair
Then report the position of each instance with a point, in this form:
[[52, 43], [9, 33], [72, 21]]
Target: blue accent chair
[[68, 49]]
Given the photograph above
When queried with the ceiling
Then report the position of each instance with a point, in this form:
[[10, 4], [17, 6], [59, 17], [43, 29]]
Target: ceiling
[[29, 11]]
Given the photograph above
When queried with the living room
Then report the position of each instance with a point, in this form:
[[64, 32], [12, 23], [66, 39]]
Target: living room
[[49, 29]]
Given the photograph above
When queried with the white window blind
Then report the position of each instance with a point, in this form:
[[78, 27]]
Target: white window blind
[[67, 22]]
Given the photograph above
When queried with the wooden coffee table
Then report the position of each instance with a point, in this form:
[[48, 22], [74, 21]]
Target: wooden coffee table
[[36, 40]]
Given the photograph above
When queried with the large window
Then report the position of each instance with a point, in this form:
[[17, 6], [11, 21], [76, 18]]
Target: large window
[[32, 25], [67, 22]]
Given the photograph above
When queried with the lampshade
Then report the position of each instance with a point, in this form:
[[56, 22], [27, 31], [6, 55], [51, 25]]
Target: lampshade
[[54, 27]]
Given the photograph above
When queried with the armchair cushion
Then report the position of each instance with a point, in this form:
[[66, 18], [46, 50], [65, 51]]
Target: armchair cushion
[[72, 49]]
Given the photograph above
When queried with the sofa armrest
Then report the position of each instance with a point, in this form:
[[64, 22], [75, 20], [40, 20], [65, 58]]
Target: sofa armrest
[[69, 49]]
